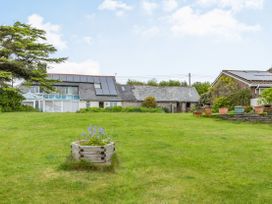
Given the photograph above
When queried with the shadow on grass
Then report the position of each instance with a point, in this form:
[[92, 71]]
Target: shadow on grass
[[72, 165]]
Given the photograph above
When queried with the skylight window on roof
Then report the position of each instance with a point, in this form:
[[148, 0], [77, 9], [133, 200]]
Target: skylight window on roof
[[97, 86]]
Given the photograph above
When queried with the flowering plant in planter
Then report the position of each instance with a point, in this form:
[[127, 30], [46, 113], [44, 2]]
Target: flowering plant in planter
[[96, 136], [95, 146]]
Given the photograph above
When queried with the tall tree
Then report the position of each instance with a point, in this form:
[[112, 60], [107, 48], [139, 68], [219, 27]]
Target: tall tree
[[24, 54], [202, 87]]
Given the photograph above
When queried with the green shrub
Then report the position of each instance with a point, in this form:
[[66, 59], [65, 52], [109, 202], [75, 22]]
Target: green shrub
[[240, 98], [113, 109], [267, 96], [150, 102], [121, 109], [248, 109], [10, 99], [25, 108], [220, 102]]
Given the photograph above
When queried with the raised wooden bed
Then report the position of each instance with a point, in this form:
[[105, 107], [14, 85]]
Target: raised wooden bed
[[93, 154]]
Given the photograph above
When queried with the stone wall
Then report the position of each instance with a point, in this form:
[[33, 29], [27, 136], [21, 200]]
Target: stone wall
[[248, 118]]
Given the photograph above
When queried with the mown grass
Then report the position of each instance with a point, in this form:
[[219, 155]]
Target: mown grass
[[163, 158]]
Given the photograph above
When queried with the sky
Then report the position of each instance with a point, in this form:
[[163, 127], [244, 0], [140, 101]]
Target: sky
[[145, 39]]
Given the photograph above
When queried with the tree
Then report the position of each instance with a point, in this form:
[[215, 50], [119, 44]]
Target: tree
[[170, 83], [202, 87], [150, 102], [184, 84], [25, 55], [152, 82], [10, 99], [270, 70]]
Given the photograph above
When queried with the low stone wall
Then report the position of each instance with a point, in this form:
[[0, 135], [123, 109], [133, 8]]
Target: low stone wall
[[248, 118]]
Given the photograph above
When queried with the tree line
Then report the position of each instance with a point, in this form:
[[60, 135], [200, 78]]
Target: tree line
[[201, 87]]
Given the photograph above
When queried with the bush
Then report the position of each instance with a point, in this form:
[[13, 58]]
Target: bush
[[220, 102], [248, 109], [150, 102], [267, 96], [121, 109], [240, 98], [10, 99], [25, 108]]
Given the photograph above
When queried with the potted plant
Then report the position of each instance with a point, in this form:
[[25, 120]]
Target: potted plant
[[221, 105], [197, 110], [266, 99], [96, 147]]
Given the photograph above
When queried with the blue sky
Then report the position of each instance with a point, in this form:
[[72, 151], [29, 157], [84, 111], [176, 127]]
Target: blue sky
[[145, 39]]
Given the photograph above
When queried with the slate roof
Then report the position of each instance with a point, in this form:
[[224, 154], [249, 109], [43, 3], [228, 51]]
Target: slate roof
[[125, 92], [87, 92], [251, 77], [108, 83], [162, 94]]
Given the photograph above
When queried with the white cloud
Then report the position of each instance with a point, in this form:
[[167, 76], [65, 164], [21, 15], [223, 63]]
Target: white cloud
[[221, 23], [146, 32], [114, 5], [85, 67], [149, 6], [53, 34], [88, 40], [234, 4], [169, 5]]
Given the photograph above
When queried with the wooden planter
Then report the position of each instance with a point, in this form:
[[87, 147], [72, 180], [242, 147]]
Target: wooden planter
[[223, 111], [259, 109], [93, 154]]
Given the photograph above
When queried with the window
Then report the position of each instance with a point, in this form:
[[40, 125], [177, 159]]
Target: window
[[35, 89], [97, 86]]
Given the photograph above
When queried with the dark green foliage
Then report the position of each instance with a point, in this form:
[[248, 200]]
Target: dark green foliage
[[248, 109], [202, 87], [4, 78], [240, 98], [170, 83], [10, 99], [184, 84], [121, 109], [25, 108], [23, 55], [150, 102], [152, 82]]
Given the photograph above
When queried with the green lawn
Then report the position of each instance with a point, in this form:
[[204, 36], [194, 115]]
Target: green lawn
[[164, 158]]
